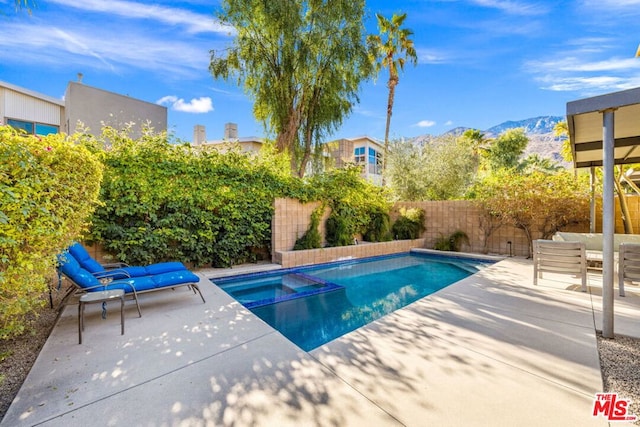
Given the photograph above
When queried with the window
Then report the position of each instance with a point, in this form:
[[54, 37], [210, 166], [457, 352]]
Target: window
[[43, 130], [33, 128], [359, 155], [375, 161], [19, 124]]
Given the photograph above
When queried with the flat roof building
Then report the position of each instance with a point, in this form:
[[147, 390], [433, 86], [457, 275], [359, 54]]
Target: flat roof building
[[94, 108]]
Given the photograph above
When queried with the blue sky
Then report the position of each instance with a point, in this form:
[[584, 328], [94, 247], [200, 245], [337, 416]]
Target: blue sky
[[481, 62]]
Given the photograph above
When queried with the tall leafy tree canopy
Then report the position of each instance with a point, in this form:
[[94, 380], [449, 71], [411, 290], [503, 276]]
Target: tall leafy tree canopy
[[302, 62], [439, 169], [504, 152]]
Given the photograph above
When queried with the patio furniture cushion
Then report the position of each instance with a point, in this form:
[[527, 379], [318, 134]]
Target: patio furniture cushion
[[85, 281], [86, 261], [70, 267]]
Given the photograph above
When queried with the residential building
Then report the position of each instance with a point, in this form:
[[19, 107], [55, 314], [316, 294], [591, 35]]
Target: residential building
[[92, 107], [95, 108], [363, 151], [250, 144], [33, 112]]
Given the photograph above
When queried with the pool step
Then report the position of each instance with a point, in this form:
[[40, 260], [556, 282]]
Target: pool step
[[297, 285]]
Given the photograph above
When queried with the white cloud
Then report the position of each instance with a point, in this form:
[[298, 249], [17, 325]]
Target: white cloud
[[514, 7], [98, 48], [432, 56], [611, 4], [425, 123], [574, 64], [590, 85], [194, 22], [587, 66], [449, 123], [196, 105]]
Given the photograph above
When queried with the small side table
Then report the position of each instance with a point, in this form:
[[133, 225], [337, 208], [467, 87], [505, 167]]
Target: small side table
[[101, 296]]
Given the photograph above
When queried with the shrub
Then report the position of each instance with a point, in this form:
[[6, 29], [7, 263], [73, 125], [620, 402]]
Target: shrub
[[48, 189], [311, 239], [409, 225], [379, 227], [451, 242], [339, 230], [166, 201], [539, 204], [353, 201]]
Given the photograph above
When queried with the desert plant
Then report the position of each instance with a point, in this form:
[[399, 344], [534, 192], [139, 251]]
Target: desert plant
[[409, 225], [379, 227], [451, 242], [311, 239], [339, 230]]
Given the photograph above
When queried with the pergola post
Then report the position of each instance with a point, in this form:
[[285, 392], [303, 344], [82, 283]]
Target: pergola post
[[608, 221], [592, 204]]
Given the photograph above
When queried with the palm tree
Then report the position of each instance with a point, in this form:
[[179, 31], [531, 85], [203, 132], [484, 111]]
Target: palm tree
[[391, 49]]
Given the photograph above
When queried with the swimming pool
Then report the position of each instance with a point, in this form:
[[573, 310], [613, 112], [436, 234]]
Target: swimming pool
[[314, 305]]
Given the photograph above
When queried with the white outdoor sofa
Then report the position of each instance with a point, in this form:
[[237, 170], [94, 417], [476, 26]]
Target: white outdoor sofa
[[593, 242], [626, 253]]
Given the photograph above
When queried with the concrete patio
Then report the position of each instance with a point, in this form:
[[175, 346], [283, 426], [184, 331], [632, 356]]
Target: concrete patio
[[489, 350]]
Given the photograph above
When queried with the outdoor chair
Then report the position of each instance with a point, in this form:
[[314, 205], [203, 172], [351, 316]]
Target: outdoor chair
[[628, 264], [85, 281], [560, 257], [119, 270]]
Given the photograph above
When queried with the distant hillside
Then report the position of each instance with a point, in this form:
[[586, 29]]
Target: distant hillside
[[542, 140], [534, 126]]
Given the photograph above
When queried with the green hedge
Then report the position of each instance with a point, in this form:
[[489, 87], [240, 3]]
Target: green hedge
[[165, 201], [48, 188]]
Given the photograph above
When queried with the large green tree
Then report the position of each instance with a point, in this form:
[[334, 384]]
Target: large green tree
[[301, 61], [391, 49], [504, 152], [537, 203], [438, 169]]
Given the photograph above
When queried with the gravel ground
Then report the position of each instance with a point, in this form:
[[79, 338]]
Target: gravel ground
[[619, 361], [620, 364], [19, 354]]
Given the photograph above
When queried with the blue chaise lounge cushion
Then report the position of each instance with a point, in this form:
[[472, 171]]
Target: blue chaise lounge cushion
[[86, 261]]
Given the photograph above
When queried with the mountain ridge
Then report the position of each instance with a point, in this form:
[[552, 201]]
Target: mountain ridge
[[539, 125], [539, 130]]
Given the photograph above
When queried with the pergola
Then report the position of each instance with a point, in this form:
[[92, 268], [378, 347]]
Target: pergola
[[605, 131]]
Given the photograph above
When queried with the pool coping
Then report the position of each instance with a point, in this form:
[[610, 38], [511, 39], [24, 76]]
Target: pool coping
[[481, 352]]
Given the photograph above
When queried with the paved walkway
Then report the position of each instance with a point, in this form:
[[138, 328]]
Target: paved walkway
[[490, 350]]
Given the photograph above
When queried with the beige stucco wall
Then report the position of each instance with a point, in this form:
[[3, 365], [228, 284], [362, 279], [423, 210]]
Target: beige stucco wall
[[633, 202], [442, 218], [291, 220]]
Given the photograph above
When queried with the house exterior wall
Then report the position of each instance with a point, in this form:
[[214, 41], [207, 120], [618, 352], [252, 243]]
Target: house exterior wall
[[342, 152], [96, 107], [22, 104]]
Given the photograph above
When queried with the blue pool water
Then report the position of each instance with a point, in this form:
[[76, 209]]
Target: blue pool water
[[314, 305]]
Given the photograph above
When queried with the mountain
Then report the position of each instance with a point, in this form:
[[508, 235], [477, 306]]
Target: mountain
[[542, 140], [534, 126]]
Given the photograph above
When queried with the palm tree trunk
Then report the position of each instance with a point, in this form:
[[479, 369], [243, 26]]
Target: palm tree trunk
[[393, 81]]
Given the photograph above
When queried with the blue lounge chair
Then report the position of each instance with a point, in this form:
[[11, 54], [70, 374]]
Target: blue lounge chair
[[85, 281], [119, 270]]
